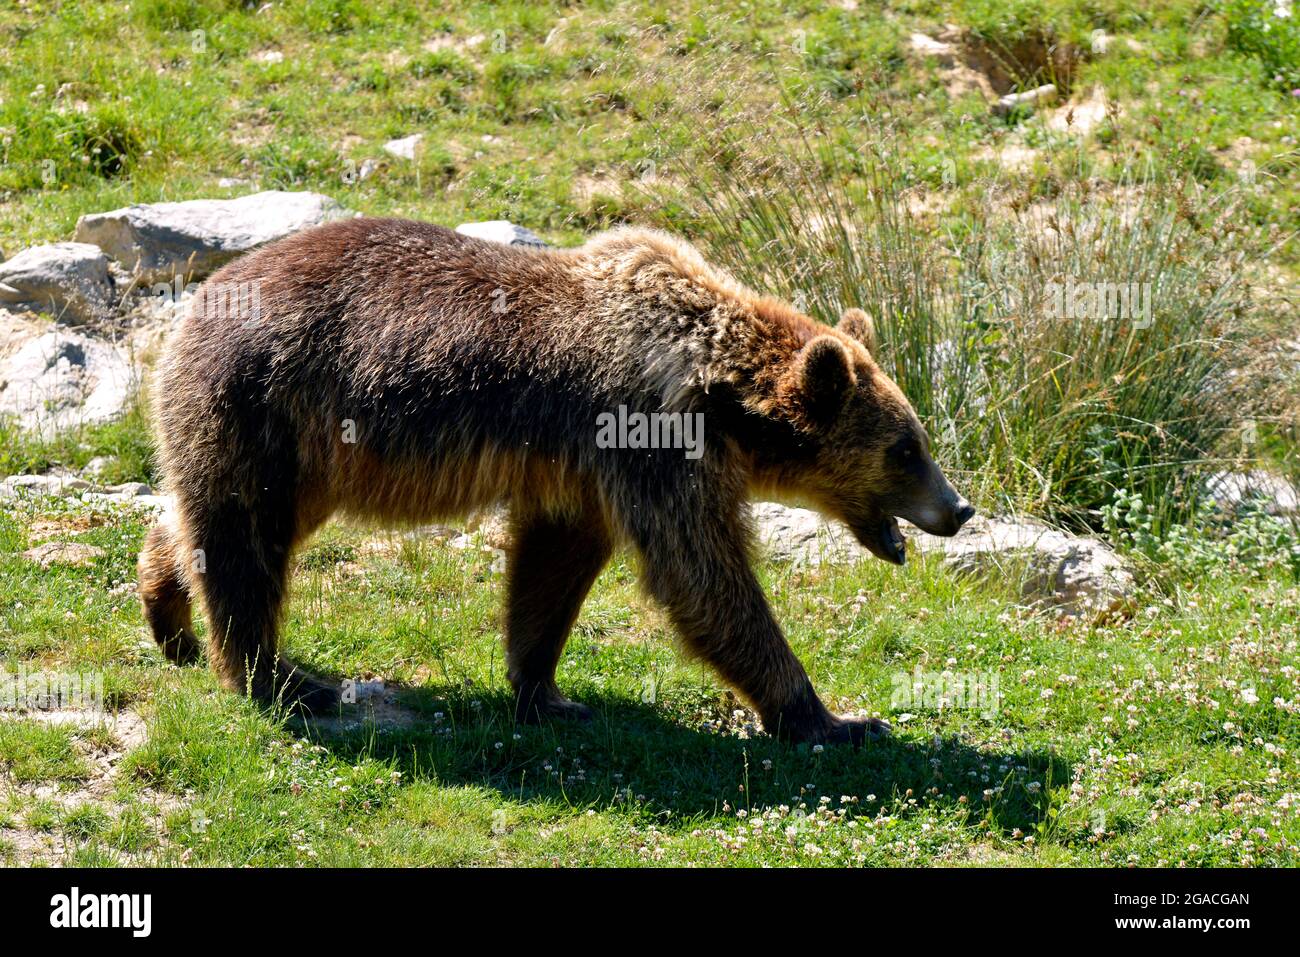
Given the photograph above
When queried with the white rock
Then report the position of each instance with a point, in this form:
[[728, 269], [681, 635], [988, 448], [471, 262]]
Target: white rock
[[1273, 492], [136, 495], [194, 238], [1039, 96], [1076, 575], [802, 536], [406, 147], [501, 231], [62, 379], [95, 466], [923, 45], [64, 553], [68, 280], [54, 484], [129, 489]]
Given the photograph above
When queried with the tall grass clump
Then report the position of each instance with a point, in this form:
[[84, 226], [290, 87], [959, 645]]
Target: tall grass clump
[[1044, 391]]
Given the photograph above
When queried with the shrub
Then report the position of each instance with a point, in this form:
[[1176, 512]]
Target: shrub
[[1256, 29], [1046, 400]]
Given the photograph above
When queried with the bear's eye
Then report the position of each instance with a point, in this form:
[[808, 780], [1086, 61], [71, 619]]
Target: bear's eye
[[905, 453]]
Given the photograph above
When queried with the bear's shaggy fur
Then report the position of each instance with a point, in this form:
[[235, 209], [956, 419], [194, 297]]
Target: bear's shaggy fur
[[400, 372]]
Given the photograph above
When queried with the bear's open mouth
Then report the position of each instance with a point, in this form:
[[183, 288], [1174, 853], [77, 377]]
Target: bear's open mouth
[[892, 538], [884, 540]]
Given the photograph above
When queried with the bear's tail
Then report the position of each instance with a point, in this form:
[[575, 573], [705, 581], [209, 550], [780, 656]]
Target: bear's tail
[[165, 593]]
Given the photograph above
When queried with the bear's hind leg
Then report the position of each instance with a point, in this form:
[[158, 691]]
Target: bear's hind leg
[[166, 597], [242, 574], [553, 562]]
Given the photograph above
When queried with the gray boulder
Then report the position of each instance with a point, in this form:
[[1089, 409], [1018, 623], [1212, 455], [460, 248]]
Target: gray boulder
[[52, 484], [68, 280], [158, 241], [1270, 491], [1076, 576], [502, 231], [62, 379]]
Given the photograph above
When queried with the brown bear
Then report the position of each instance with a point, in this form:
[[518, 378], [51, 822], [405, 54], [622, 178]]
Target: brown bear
[[399, 372]]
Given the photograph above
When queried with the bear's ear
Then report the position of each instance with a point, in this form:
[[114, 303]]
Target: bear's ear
[[856, 323], [823, 378]]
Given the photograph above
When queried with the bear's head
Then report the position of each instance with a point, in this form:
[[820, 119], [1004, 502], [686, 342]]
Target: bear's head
[[865, 457]]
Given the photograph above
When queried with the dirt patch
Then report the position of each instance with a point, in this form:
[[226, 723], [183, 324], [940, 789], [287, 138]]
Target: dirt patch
[[925, 204], [46, 528], [446, 41], [1013, 156], [25, 845], [970, 63], [958, 78], [585, 188], [1083, 116], [1029, 62]]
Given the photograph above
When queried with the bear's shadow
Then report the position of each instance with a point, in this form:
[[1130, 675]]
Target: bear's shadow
[[635, 752]]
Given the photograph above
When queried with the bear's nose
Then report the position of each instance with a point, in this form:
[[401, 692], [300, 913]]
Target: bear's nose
[[965, 513]]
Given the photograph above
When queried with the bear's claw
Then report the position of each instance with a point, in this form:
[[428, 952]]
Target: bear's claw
[[857, 731], [538, 705]]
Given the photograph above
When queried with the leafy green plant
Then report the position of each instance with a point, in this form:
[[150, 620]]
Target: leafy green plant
[[1257, 28], [1213, 540]]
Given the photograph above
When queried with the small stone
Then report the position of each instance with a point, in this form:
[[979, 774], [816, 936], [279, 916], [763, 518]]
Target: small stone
[[129, 489], [404, 148], [1040, 96]]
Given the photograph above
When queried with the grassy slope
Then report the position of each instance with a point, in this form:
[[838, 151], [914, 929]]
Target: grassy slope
[[528, 129], [530, 132], [1129, 743]]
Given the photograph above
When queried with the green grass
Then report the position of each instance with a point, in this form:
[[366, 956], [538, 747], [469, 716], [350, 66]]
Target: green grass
[[31, 752], [125, 443], [1166, 737], [1129, 742], [105, 103]]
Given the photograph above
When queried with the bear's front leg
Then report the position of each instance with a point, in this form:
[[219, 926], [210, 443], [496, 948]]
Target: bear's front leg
[[552, 564], [695, 553]]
